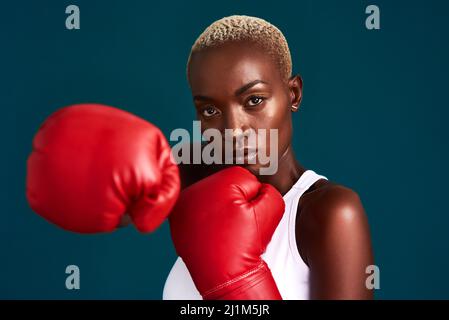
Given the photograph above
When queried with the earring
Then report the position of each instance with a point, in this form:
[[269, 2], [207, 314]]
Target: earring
[[294, 108]]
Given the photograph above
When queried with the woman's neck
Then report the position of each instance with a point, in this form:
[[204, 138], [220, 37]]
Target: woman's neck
[[289, 171]]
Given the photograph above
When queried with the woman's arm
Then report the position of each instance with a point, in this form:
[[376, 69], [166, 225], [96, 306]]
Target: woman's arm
[[191, 172], [335, 242]]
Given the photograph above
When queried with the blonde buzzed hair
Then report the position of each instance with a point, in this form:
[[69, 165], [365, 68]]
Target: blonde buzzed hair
[[245, 28]]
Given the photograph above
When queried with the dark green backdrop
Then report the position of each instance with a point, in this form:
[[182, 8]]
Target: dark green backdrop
[[374, 117]]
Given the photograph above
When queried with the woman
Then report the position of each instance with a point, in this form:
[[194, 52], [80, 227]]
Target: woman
[[239, 71]]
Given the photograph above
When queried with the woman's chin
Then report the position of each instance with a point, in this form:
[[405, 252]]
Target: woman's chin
[[253, 168]]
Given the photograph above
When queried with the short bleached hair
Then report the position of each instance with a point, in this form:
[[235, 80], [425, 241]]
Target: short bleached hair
[[245, 28]]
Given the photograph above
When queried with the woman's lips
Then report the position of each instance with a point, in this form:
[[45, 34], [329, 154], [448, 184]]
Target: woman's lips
[[245, 155]]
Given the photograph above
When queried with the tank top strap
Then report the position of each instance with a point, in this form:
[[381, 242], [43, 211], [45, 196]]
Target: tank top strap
[[305, 181], [291, 199]]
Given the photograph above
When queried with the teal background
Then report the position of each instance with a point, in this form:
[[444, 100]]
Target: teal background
[[374, 117]]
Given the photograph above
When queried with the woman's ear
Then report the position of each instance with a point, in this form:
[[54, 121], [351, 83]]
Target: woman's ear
[[295, 89]]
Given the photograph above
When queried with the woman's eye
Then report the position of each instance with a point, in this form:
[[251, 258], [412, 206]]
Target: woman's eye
[[254, 101], [209, 111]]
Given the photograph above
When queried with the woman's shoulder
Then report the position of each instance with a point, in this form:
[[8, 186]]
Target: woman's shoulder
[[327, 196], [328, 211]]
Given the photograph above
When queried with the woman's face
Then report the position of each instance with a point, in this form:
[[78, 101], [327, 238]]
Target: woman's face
[[238, 86]]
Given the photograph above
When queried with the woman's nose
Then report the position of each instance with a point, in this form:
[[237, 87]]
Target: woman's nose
[[235, 120], [236, 128]]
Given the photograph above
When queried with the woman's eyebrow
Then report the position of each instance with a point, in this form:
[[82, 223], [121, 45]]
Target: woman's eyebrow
[[247, 86], [202, 98], [237, 92]]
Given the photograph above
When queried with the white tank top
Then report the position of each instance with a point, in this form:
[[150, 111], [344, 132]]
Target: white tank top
[[289, 271]]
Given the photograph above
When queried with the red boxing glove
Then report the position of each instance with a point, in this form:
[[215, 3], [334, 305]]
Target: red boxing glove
[[220, 227], [91, 164]]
